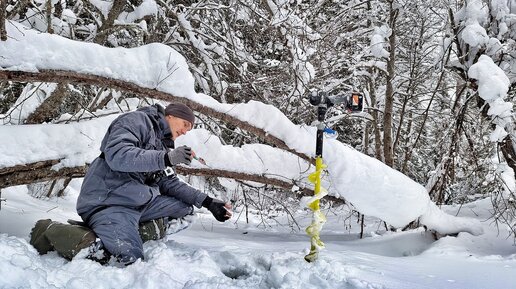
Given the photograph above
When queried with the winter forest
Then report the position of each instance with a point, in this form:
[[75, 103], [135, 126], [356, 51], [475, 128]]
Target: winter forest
[[438, 79]]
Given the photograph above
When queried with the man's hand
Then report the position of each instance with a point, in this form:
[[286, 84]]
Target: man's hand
[[180, 155], [220, 210]]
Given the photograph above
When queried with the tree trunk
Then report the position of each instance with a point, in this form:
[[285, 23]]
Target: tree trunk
[[49, 109], [48, 12], [426, 114], [508, 151], [506, 145], [36, 172], [107, 24], [447, 165], [374, 114], [389, 93], [3, 32]]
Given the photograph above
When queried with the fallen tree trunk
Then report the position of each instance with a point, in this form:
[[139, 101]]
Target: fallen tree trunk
[[37, 172], [42, 171]]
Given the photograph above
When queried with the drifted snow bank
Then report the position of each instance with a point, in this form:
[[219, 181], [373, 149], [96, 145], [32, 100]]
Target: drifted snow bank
[[374, 188]]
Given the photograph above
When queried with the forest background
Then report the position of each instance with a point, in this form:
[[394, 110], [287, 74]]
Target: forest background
[[423, 115]]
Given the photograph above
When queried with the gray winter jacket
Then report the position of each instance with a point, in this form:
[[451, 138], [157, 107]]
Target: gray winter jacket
[[132, 151]]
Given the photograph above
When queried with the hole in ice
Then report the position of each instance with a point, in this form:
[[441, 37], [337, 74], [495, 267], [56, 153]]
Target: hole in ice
[[236, 273]]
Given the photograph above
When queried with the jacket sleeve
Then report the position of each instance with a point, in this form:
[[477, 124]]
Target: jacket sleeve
[[124, 145], [174, 187]]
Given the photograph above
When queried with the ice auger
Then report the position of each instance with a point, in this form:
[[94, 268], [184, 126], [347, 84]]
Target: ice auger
[[352, 103]]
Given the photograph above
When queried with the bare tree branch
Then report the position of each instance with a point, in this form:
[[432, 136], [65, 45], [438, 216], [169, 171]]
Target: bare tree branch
[[259, 178]]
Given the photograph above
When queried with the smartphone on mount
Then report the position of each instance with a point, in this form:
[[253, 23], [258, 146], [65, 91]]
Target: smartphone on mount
[[355, 102]]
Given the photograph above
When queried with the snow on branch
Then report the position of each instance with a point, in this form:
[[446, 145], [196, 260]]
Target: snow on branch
[[44, 75], [493, 85]]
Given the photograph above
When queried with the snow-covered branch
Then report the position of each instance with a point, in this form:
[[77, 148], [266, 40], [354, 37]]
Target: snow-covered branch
[[80, 78]]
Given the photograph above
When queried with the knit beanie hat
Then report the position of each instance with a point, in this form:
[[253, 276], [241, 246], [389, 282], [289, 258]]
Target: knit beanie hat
[[180, 110]]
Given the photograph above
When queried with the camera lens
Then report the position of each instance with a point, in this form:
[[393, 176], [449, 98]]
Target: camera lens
[[315, 98]]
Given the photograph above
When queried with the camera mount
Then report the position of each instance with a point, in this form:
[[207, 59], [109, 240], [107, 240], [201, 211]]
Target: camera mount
[[323, 101], [352, 103]]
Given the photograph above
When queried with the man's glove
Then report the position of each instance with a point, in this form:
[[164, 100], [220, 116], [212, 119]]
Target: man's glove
[[217, 208], [180, 155]]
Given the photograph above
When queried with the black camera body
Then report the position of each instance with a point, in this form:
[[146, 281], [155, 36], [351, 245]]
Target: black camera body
[[352, 103], [320, 97]]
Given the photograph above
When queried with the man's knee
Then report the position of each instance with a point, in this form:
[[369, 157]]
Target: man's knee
[[119, 234]]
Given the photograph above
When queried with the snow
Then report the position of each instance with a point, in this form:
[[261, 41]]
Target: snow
[[69, 16], [352, 170], [475, 35], [103, 6], [492, 81], [151, 66], [236, 254], [371, 186], [239, 255], [74, 143], [30, 98], [474, 11], [147, 7], [250, 158], [493, 86], [378, 43]]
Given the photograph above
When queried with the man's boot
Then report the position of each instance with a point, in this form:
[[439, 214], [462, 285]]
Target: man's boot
[[157, 229], [38, 238], [180, 224], [66, 239], [153, 229]]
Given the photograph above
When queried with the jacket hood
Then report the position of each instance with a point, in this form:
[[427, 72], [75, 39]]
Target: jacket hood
[[156, 114]]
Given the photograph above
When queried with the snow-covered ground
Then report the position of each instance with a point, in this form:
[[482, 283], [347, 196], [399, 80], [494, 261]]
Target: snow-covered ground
[[239, 255], [235, 254]]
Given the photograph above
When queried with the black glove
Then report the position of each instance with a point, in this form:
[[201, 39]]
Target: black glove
[[180, 155], [216, 207]]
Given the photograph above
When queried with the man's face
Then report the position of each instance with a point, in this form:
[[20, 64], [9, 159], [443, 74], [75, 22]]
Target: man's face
[[178, 126]]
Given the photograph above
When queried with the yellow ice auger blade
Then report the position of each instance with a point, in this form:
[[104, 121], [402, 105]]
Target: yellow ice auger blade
[[318, 218]]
